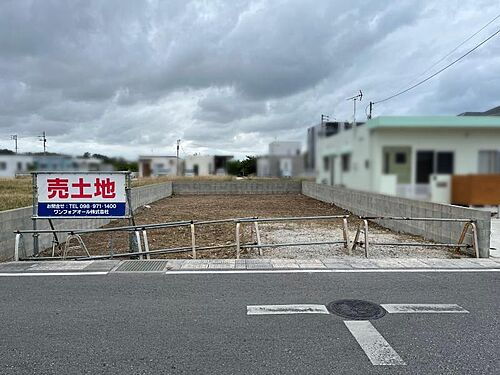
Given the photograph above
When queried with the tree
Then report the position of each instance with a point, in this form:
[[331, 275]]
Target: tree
[[244, 167], [249, 166], [234, 167]]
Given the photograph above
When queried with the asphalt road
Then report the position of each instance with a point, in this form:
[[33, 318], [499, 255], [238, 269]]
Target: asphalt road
[[183, 324]]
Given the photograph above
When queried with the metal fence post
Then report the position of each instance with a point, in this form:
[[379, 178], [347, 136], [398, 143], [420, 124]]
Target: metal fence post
[[35, 212], [366, 237], [474, 239], [257, 233], [238, 240], [193, 240], [356, 238], [139, 245], [16, 247], [146, 243], [345, 232]]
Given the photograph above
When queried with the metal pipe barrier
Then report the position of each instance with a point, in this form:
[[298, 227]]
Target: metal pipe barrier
[[363, 227], [143, 248], [259, 246]]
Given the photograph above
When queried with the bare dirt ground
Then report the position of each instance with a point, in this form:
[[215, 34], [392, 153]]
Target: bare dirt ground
[[208, 207]]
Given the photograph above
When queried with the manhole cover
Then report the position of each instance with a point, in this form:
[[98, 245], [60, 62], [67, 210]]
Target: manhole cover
[[356, 309]]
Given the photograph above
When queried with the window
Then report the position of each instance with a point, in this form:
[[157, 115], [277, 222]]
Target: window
[[171, 162], [489, 161], [326, 165], [444, 162], [429, 162], [400, 158], [367, 164], [346, 162], [3, 166]]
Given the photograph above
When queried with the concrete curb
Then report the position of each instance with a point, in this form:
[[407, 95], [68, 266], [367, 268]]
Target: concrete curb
[[268, 265]]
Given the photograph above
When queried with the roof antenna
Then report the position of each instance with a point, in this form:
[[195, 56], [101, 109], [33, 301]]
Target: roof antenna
[[354, 99]]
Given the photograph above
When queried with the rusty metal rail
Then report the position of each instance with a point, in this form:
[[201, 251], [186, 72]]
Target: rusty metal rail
[[363, 227], [259, 245], [143, 243]]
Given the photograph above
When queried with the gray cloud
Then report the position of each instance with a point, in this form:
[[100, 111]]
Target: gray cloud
[[128, 77]]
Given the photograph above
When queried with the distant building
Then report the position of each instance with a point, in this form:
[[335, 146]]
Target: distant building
[[68, 163], [404, 156], [324, 129], [92, 164], [10, 165], [284, 148], [206, 165], [284, 160], [158, 165]]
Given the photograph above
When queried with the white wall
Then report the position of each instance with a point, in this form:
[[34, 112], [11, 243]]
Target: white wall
[[205, 165], [160, 165], [464, 143], [284, 148], [353, 141], [9, 164], [263, 167]]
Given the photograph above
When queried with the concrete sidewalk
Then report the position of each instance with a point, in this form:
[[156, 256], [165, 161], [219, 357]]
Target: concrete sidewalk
[[163, 265]]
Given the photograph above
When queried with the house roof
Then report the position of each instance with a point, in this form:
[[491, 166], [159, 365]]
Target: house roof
[[491, 112], [434, 122], [155, 156]]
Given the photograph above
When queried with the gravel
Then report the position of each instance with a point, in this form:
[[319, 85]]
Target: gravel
[[294, 232]]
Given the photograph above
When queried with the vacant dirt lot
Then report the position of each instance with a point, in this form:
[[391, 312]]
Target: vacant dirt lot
[[210, 207]]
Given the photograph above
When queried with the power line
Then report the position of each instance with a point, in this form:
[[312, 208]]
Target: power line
[[457, 47], [440, 70]]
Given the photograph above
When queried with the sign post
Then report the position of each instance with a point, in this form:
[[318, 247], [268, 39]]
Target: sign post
[[80, 195]]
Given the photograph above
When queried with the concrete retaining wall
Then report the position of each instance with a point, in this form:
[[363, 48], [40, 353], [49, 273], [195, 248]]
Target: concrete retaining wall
[[237, 187], [150, 193], [372, 204], [357, 202], [20, 218]]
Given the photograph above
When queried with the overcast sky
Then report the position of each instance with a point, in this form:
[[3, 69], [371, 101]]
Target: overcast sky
[[130, 77]]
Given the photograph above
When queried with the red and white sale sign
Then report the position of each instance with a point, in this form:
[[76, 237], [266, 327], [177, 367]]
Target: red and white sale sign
[[81, 194]]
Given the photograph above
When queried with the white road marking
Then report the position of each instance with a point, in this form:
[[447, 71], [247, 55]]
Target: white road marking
[[286, 309], [409, 308], [377, 349], [277, 271], [13, 274]]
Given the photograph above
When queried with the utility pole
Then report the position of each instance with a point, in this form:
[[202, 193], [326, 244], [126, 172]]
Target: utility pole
[[14, 138], [43, 138], [354, 99], [177, 156], [371, 108]]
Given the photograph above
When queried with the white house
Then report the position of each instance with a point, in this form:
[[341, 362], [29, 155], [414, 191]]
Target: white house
[[398, 155], [159, 165], [10, 165], [206, 165], [283, 160]]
